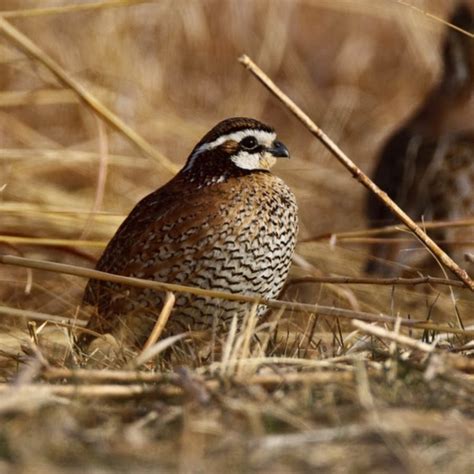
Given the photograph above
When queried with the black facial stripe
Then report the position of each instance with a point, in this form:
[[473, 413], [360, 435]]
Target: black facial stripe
[[257, 149]]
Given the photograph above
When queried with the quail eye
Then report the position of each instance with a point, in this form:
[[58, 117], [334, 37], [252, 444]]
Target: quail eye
[[249, 143]]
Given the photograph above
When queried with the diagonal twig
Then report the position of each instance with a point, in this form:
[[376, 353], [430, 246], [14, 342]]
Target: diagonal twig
[[78, 7], [25, 44], [357, 173]]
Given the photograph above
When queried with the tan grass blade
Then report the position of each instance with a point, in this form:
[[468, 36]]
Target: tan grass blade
[[161, 321], [35, 315], [45, 242], [30, 12], [434, 17], [156, 349]]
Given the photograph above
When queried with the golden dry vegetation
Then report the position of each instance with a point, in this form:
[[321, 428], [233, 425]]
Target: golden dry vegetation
[[315, 392]]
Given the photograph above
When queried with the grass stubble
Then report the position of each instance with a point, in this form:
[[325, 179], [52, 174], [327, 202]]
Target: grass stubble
[[302, 390]]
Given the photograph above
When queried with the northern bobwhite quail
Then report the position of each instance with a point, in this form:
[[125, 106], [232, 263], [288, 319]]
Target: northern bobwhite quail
[[224, 222], [427, 166]]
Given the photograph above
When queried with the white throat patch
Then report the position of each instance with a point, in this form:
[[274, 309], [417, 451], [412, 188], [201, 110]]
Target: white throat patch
[[253, 161]]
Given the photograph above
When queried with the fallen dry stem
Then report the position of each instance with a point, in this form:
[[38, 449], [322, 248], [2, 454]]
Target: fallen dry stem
[[105, 375], [453, 361], [343, 280], [276, 304], [95, 376], [357, 173], [254, 363], [89, 99], [28, 314], [172, 386], [92, 391], [393, 336]]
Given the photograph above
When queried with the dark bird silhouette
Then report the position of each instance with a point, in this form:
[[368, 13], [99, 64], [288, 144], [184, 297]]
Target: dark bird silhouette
[[224, 222], [427, 166]]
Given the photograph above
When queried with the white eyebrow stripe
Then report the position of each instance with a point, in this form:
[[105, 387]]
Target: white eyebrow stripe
[[262, 136]]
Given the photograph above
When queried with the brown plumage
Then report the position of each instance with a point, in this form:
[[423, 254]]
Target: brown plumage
[[223, 222], [427, 166]]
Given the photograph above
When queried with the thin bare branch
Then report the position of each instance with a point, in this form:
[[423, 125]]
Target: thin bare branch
[[276, 304], [390, 229], [356, 172]]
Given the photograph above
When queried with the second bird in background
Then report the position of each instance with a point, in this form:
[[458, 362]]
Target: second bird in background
[[427, 165]]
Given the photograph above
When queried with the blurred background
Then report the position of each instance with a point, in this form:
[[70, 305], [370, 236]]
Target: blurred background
[[169, 69]]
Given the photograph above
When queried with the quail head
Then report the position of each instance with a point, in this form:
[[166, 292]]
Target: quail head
[[427, 165], [224, 222]]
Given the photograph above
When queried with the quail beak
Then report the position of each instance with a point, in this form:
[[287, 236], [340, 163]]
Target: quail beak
[[278, 150]]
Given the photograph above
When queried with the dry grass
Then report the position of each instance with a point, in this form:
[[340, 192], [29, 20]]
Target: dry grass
[[311, 391]]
